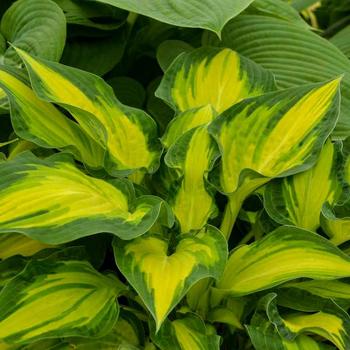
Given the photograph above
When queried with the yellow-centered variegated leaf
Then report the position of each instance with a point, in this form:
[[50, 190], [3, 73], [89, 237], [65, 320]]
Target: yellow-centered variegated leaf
[[188, 333], [186, 121], [193, 155], [335, 222], [285, 254], [330, 322], [162, 274], [128, 135], [16, 244], [333, 289], [267, 340], [52, 201], [298, 199], [42, 123], [57, 299], [277, 134], [219, 77]]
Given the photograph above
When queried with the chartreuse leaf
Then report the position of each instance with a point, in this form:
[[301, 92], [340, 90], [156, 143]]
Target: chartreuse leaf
[[69, 298], [16, 244], [38, 27], [295, 55], [298, 199], [207, 14], [333, 289], [196, 83], [335, 222], [277, 134], [331, 322], [186, 121], [123, 336], [128, 135], [188, 333], [268, 340], [62, 203], [191, 201], [219, 77], [42, 123], [283, 255], [162, 277]]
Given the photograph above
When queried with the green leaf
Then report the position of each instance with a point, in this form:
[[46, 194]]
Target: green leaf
[[16, 244], [206, 14], [295, 55], [283, 255], [188, 333], [89, 14], [341, 40], [11, 267], [279, 9], [266, 137], [70, 298], [43, 124], [168, 50], [297, 200], [128, 91], [219, 77], [38, 27], [54, 190], [95, 55], [161, 286], [128, 135]]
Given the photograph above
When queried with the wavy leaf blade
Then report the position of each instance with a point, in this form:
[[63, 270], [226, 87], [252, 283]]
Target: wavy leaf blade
[[128, 135], [283, 255], [62, 203], [219, 77], [70, 298]]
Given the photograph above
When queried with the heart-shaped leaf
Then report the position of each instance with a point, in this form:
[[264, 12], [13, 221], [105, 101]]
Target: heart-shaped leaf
[[38, 27], [161, 277]]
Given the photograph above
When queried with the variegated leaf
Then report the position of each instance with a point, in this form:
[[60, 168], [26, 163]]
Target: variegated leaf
[[335, 222], [268, 340], [277, 134], [57, 299], [330, 322], [162, 276], [52, 201], [191, 200], [16, 244], [219, 77], [283, 255], [42, 123], [338, 290], [186, 121], [188, 333], [128, 135], [298, 199], [193, 86]]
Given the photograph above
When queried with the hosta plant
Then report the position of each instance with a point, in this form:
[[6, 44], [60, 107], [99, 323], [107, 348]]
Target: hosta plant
[[174, 175]]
